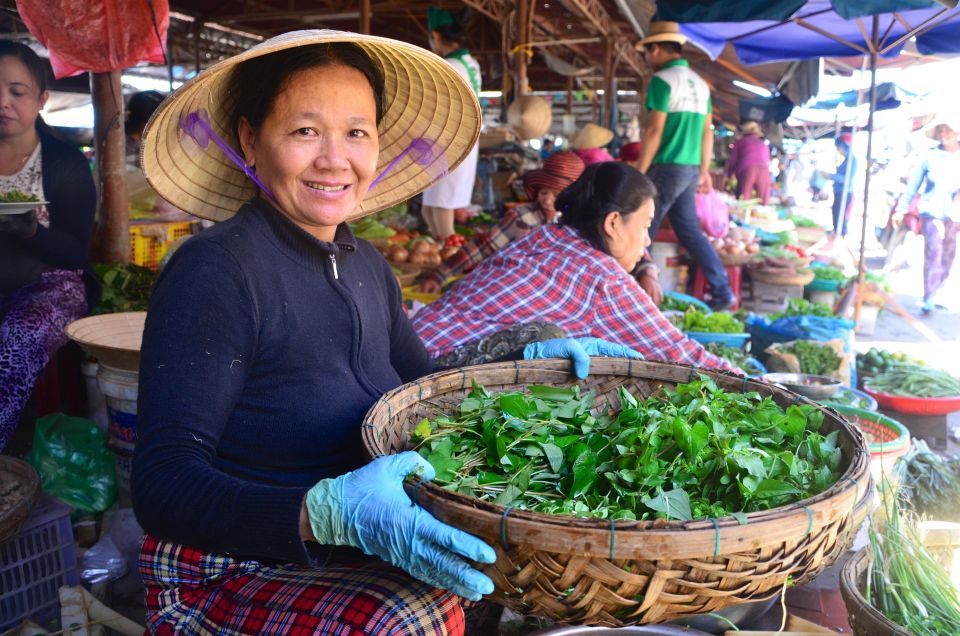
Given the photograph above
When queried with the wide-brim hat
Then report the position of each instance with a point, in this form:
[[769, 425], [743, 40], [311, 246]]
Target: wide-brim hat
[[663, 31], [424, 99], [530, 117], [941, 120], [592, 136], [559, 170]]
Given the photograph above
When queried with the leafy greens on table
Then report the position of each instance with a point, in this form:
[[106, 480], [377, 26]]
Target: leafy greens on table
[[687, 453]]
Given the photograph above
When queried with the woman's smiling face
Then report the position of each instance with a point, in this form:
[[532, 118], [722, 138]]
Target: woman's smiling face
[[317, 148]]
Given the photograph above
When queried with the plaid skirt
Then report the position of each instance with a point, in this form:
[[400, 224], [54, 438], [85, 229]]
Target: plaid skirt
[[193, 592]]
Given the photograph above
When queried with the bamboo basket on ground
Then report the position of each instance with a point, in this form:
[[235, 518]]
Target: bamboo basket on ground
[[801, 277], [597, 572], [20, 487], [865, 619]]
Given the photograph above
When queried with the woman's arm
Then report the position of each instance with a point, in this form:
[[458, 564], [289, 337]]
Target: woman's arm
[[68, 185], [199, 342], [625, 314]]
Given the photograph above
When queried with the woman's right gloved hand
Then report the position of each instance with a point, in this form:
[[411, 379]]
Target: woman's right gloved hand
[[368, 509]]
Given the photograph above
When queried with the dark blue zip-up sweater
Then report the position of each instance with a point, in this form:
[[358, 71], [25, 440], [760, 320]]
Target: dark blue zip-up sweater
[[262, 352]]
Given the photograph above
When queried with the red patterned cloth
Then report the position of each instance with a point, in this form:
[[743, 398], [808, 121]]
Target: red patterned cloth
[[192, 592], [553, 275]]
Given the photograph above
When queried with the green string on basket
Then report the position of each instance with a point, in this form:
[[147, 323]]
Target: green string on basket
[[503, 526], [516, 374], [463, 379], [613, 537], [716, 533], [809, 520]]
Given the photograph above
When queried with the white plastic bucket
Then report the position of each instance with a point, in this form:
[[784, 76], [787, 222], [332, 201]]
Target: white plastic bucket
[[666, 256], [119, 388], [95, 398]]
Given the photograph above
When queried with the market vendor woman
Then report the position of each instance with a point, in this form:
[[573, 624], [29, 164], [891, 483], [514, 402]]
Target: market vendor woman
[[271, 334]]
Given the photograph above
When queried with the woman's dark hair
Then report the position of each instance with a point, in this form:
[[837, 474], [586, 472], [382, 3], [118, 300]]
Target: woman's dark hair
[[34, 63], [602, 188], [455, 33], [255, 83], [139, 108]]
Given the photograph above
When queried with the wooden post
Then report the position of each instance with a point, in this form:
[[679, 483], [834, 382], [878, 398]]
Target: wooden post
[[365, 17], [524, 32], [113, 233], [608, 88]]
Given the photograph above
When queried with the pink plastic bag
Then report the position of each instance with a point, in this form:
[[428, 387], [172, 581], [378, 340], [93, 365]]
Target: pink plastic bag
[[713, 214], [97, 35]]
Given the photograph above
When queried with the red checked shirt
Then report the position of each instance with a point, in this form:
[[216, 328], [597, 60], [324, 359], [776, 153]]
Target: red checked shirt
[[515, 224], [553, 275]]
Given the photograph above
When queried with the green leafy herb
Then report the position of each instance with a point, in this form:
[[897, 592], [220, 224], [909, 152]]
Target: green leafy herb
[[692, 452], [695, 320], [16, 196], [126, 287], [829, 273], [803, 307], [815, 359]]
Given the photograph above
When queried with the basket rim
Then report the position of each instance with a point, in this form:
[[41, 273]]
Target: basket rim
[[903, 433], [30, 478], [850, 575], [604, 537]]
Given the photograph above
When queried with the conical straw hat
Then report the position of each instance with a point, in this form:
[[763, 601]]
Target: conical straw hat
[[113, 339], [424, 98], [530, 117]]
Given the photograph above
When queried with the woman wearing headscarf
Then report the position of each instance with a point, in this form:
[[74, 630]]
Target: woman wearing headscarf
[[750, 162], [271, 334], [590, 142], [455, 190]]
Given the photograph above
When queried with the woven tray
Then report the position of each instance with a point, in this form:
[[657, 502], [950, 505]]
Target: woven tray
[[12, 517], [596, 572], [113, 339], [865, 619], [732, 260], [802, 277]]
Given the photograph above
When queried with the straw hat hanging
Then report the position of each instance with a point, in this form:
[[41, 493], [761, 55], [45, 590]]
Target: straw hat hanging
[[530, 117], [592, 136], [425, 98]]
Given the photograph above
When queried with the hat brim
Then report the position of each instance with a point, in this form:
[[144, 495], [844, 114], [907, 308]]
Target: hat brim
[[424, 97], [931, 131], [596, 138], [679, 38]]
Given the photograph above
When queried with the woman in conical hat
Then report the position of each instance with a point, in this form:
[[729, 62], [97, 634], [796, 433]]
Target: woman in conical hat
[[270, 335]]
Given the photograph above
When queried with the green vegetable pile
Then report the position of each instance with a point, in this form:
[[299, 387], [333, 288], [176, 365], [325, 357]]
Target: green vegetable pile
[[877, 361], [16, 196], [126, 287], [736, 356], [690, 453], [905, 582], [830, 273], [369, 228], [915, 380], [803, 307], [802, 221], [670, 303], [848, 398], [815, 359], [930, 483], [695, 320]]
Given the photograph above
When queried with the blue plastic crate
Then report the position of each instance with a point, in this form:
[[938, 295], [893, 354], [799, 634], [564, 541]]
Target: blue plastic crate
[[36, 563], [738, 340]]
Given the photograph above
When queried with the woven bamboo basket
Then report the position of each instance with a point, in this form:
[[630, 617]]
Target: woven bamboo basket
[[25, 476], [802, 277], [598, 572], [865, 619], [732, 260]]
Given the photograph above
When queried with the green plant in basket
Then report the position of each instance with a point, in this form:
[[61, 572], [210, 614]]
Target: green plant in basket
[[830, 273], [719, 322], [687, 453], [803, 307], [126, 287]]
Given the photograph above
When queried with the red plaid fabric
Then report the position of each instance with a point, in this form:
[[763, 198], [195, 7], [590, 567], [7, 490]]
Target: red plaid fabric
[[192, 592], [553, 275], [515, 224]]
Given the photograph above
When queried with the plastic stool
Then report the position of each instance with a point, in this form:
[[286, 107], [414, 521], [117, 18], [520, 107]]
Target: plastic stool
[[734, 276]]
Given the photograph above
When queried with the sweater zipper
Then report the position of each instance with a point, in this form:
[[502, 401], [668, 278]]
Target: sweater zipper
[[333, 261]]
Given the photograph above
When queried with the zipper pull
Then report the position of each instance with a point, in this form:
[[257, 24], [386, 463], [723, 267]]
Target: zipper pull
[[333, 261]]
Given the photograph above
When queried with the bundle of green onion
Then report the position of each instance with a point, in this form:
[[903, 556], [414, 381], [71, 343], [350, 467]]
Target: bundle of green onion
[[906, 584]]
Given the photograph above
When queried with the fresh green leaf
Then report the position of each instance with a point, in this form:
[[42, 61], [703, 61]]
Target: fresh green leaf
[[674, 504]]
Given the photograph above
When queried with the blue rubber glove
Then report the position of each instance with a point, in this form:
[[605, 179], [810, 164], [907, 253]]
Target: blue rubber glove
[[579, 350], [368, 509]]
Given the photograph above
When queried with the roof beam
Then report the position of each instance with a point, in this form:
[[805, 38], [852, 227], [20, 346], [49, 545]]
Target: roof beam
[[597, 15]]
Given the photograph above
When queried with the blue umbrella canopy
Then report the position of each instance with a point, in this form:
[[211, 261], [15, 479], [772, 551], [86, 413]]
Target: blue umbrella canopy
[[818, 29]]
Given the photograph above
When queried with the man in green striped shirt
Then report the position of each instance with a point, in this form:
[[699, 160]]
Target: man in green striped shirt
[[677, 148]]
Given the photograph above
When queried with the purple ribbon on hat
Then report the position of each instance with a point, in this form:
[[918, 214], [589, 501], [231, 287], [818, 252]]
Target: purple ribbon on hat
[[422, 151], [197, 126]]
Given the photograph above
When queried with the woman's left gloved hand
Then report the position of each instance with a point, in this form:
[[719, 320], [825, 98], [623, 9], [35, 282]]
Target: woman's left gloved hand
[[20, 225], [579, 350]]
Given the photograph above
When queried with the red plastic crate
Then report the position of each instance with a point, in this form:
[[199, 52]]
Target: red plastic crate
[[35, 563]]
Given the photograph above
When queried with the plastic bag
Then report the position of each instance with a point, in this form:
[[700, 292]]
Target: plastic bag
[[74, 463], [98, 35], [713, 214], [779, 361], [764, 333]]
